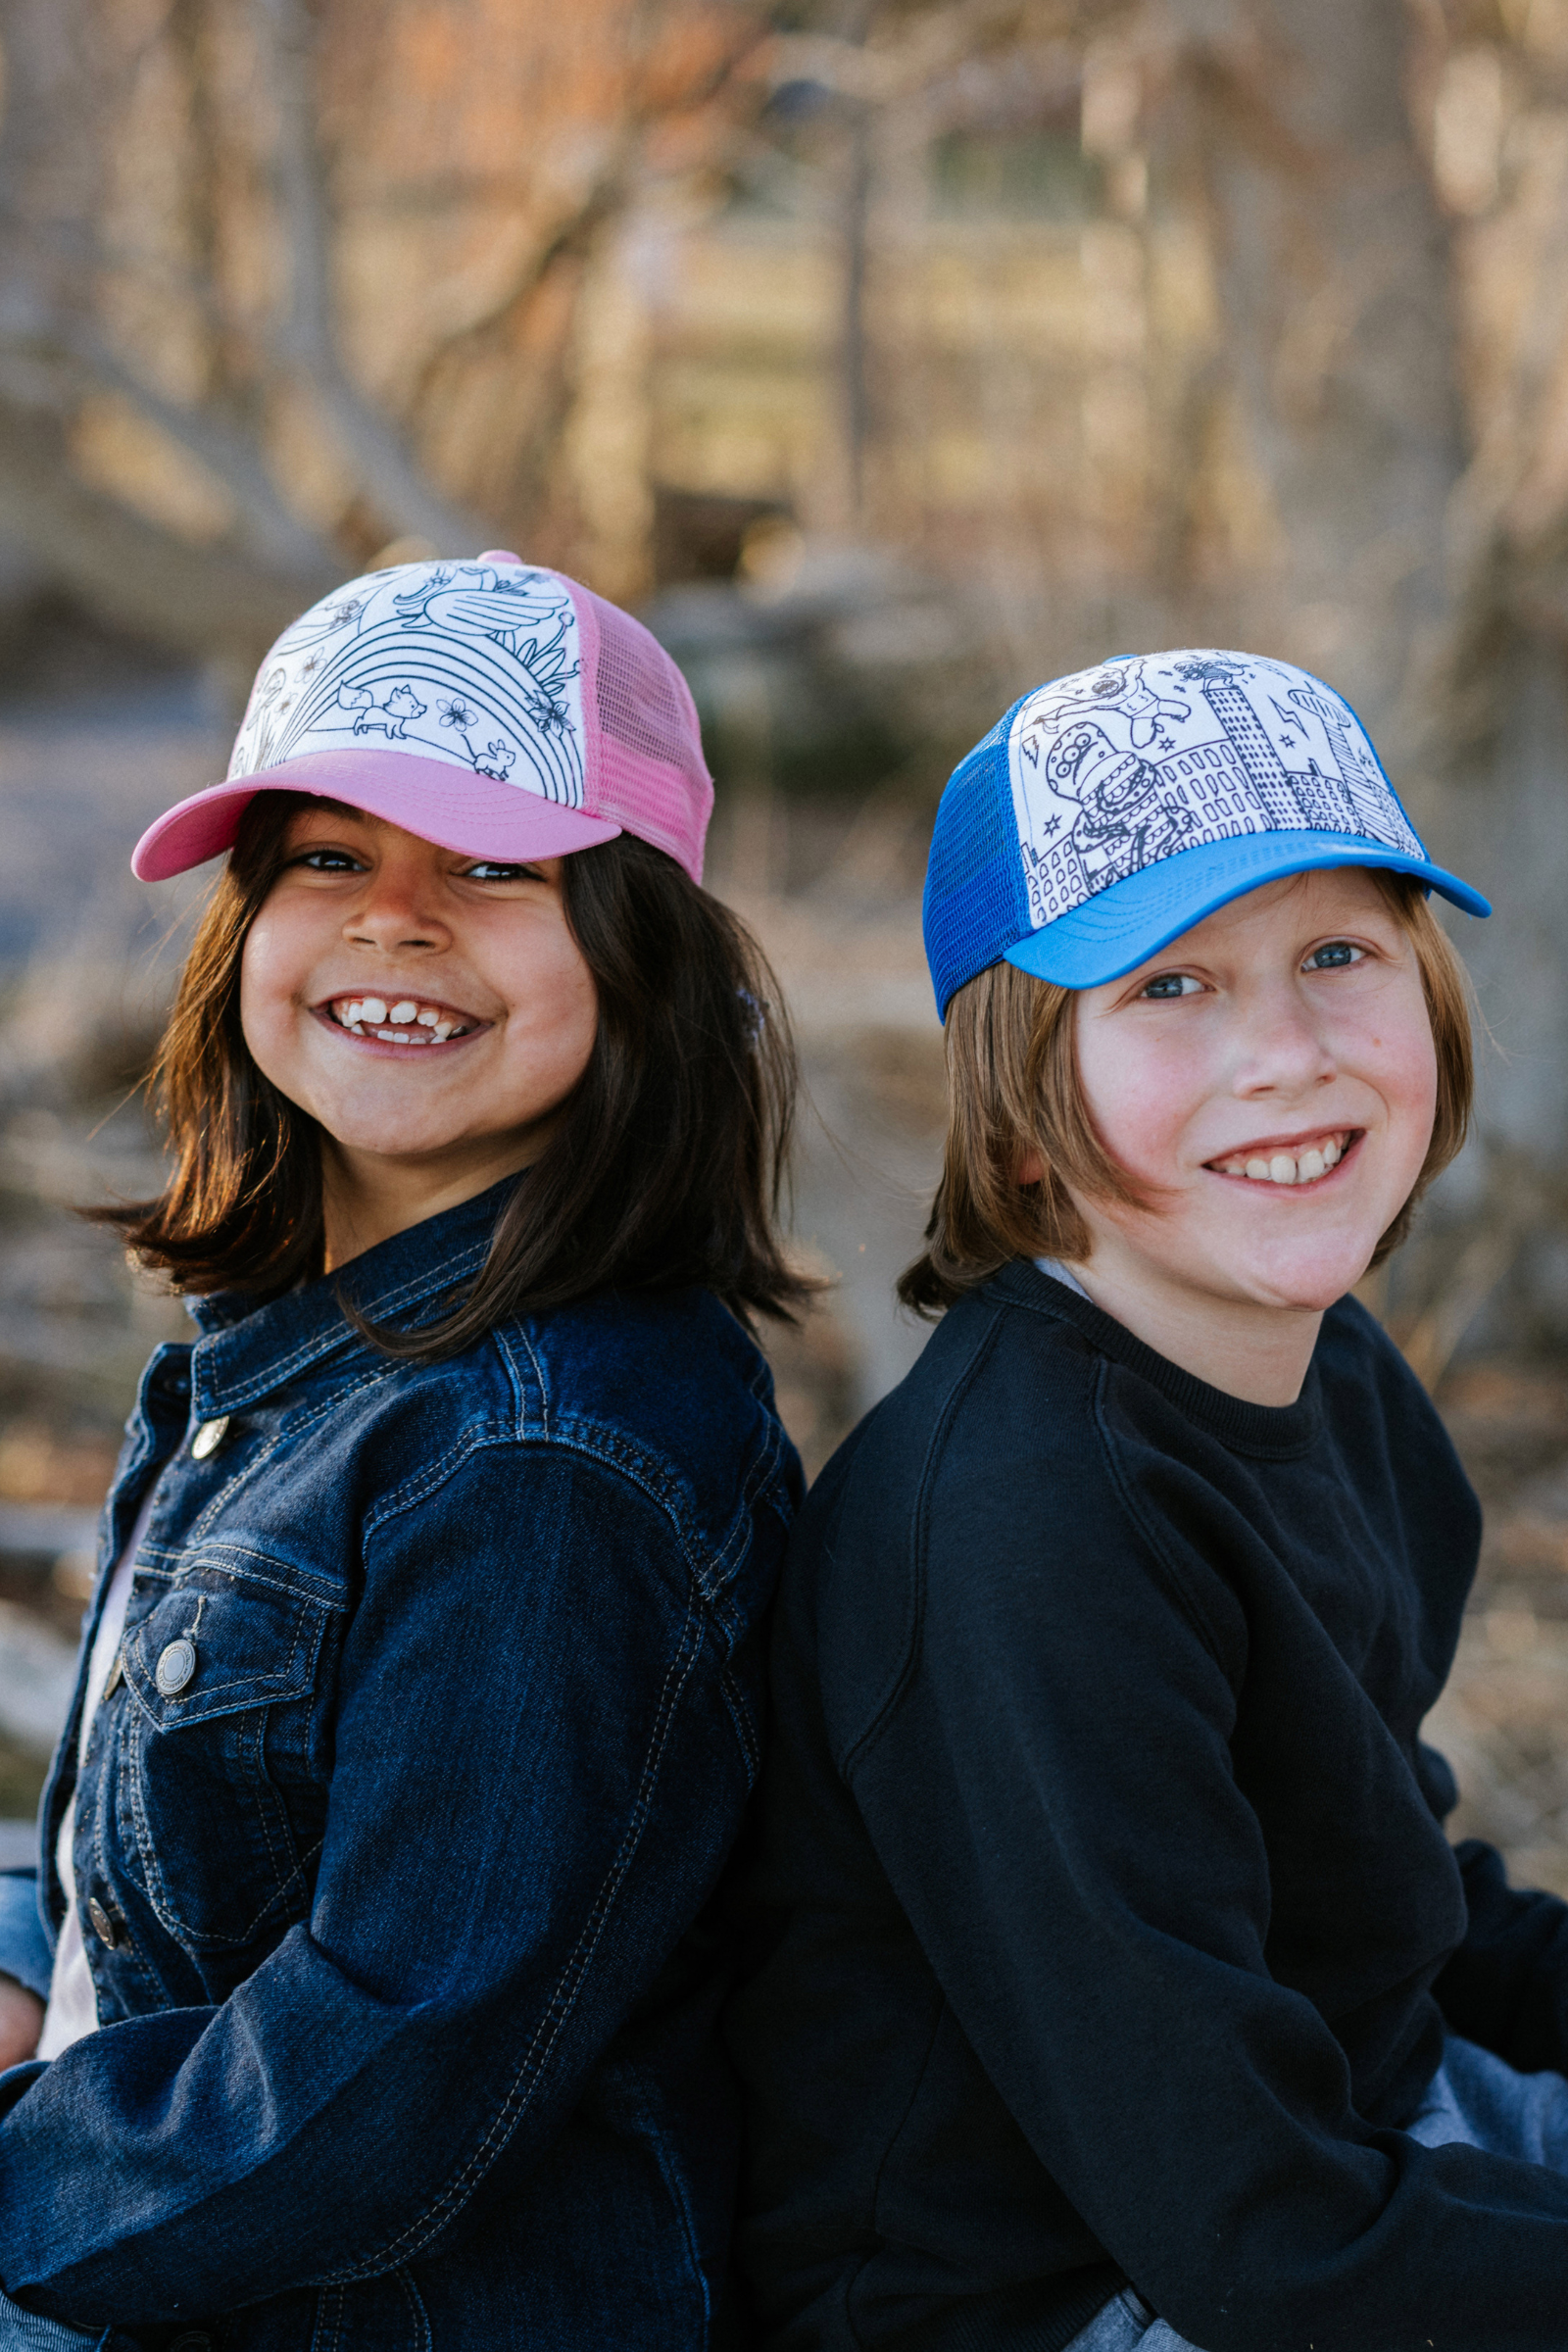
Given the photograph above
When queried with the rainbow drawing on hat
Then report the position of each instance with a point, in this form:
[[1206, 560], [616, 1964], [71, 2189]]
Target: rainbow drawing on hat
[[475, 664], [1117, 768]]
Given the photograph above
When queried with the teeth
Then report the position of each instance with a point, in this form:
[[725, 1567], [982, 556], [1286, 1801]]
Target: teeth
[[413, 1023], [1284, 1167]]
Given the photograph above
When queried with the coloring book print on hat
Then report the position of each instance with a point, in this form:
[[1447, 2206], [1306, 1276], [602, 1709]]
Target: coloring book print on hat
[[492, 706], [1110, 811], [1115, 770], [476, 665]]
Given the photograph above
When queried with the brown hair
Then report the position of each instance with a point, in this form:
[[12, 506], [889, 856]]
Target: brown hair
[[1014, 1090], [665, 1169]]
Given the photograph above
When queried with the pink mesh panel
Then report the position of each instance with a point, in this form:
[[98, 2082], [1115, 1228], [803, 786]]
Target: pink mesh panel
[[651, 778]]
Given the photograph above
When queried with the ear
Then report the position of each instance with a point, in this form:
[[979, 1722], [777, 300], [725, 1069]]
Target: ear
[[1031, 1170]]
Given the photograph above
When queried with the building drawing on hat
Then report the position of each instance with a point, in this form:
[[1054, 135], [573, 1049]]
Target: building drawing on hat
[[1137, 806], [1285, 799]]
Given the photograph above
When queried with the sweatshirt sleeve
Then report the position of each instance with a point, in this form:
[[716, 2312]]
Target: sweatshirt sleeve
[[532, 1791], [1507, 1986], [1051, 1788]]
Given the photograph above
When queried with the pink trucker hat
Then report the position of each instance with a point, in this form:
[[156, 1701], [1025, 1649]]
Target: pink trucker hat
[[497, 708]]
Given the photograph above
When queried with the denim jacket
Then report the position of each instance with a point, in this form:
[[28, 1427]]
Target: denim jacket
[[393, 1881]]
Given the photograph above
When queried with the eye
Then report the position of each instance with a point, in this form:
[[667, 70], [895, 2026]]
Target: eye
[[491, 869], [1333, 956], [1170, 985], [329, 862]]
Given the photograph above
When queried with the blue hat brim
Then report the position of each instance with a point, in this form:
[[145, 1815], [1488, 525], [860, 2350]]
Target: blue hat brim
[[1120, 928]]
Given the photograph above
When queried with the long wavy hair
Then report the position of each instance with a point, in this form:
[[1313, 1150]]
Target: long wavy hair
[[666, 1167]]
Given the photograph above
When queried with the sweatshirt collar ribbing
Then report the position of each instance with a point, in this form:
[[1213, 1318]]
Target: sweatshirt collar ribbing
[[1270, 1431]]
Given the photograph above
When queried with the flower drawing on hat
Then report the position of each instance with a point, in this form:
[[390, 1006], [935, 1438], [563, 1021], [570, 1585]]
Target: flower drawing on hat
[[473, 664], [551, 715], [1117, 768]]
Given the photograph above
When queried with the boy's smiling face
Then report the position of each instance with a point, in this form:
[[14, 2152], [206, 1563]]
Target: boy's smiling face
[[1269, 1080]]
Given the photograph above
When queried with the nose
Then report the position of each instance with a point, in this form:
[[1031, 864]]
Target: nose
[[1282, 1048], [396, 910]]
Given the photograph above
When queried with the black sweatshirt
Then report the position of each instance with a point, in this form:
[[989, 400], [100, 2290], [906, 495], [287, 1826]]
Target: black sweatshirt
[[1102, 1921]]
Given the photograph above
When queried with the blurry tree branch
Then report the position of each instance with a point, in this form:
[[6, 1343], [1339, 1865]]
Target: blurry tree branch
[[184, 383], [306, 334]]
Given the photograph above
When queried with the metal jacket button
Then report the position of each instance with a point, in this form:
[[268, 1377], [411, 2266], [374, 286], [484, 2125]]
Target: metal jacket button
[[208, 1437], [105, 1926], [176, 1666]]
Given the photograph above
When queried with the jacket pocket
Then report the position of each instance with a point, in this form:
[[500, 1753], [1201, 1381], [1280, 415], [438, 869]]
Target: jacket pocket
[[217, 1806]]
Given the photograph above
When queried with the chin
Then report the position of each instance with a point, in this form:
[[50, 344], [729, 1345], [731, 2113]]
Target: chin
[[1308, 1288]]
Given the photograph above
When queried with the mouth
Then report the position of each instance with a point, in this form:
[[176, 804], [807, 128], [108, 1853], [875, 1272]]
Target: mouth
[[420, 1022], [1305, 1159]]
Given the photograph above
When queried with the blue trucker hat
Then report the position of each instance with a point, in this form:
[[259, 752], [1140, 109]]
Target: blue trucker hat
[[1108, 812]]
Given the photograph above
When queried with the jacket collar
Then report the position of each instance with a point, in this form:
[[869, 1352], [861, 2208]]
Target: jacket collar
[[247, 1350]]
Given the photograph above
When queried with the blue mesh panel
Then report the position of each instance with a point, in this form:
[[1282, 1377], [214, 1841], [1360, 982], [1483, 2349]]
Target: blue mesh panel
[[976, 905]]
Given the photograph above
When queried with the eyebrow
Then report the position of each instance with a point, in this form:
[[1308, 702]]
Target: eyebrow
[[324, 807]]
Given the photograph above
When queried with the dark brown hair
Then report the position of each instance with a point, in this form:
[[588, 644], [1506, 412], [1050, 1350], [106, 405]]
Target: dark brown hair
[[1013, 1092], [666, 1167]]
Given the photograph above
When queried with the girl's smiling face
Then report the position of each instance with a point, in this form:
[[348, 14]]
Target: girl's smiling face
[[430, 1012], [1269, 1082]]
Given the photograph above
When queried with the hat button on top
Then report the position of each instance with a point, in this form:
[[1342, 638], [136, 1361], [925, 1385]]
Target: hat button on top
[[176, 1666], [208, 1437]]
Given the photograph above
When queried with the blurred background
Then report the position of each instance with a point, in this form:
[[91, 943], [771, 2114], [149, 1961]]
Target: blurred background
[[888, 359]]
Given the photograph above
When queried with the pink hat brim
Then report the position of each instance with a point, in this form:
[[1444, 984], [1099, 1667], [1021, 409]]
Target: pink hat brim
[[475, 815]]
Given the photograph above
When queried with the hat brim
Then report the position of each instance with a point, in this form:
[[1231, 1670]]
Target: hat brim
[[1120, 928], [477, 817]]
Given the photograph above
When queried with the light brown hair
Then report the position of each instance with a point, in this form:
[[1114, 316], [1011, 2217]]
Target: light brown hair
[[1014, 1090], [667, 1168]]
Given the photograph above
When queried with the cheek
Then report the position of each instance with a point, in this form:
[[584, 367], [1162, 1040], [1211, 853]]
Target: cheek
[[1139, 1099], [270, 971], [554, 1008], [1404, 1065]]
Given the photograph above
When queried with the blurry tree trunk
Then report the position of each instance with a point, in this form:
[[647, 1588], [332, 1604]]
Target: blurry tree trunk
[[1338, 360]]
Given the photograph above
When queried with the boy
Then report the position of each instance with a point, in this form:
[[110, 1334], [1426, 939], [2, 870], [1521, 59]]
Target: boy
[[1108, 1958]]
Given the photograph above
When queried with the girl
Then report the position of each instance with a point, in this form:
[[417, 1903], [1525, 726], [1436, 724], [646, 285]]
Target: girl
[[1115, 1984], [418, 1701]]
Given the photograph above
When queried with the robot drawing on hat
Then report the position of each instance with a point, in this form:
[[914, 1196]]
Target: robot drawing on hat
[[1110, 1982], [365, 1986]]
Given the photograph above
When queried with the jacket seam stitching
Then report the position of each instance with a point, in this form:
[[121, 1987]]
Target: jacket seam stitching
[[568, 1984]]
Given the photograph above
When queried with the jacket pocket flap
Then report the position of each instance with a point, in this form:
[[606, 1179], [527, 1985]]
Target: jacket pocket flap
[[217, 1641]]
